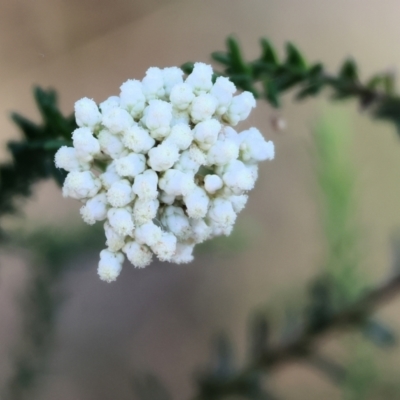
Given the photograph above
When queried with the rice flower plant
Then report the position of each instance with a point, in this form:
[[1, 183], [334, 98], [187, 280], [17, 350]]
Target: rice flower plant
[[162, 165]]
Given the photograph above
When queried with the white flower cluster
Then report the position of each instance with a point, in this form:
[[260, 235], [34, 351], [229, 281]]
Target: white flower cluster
[[176, 172]]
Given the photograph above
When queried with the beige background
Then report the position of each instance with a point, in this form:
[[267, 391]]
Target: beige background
[[162, 319]]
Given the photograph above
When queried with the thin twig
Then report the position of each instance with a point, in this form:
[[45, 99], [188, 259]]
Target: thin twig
[[303, 343]]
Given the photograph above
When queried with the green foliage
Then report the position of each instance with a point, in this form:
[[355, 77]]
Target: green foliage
[[50, 251], [269, 78], [337, 186], [33, 155]]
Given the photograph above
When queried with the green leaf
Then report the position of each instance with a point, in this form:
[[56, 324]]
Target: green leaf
[[309, 91], [187, 68], [349, 71], [222, 58], [237, 62], [28, 128], [268, 54], [294, 58], [271, 92]]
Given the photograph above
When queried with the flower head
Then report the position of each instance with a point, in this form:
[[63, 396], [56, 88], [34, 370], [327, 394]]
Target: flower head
[[175, 171]]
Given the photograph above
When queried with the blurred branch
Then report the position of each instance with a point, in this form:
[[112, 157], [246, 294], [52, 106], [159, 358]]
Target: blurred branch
[[302, 343], [33, 155], [268, 77]]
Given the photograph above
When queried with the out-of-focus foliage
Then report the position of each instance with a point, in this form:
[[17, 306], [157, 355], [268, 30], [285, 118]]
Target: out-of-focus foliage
[[269, 76], [50, 253], [33, 155], [336, 300]]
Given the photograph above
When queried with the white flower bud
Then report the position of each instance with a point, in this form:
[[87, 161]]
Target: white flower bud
[[238, 177], [180, 117], [200, 230], [203, 108], [157, 118], [166, 198], [221, 213], [111, 144], [132, 98], [197, 203], [86, 145], [181, 136], [114, 241], [223, 90], [67, 159], [145, 210], [120, 193], [163, 156], [206, 133], [181, 96], [183, 253], [120, 219], [87, 113], [222, 152], [95, 209], [176, 183], [240, 108], [175, 220], [153, 84], [145, 185], [254, 148], [80, 185], [138, 254], [117, 120], [188, 163], [238, 202], [197, 155], [172, 77], [109, 177], [165, 247], [110, 265], [130, 165], [138, 139], [148, 233], [110, 103], [201, 78], [212, 183]]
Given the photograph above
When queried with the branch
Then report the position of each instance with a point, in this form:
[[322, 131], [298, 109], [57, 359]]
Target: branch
[[269, 77], [301, 344]]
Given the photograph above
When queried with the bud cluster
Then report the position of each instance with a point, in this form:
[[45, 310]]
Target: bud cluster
[[162, 165]]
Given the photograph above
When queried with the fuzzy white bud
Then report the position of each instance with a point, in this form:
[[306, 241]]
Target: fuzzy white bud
[[87, 113], [95, 209], [145, 185], [120, 193], [132, 98], [138, 139], [81, 185], [85, 144], [157, 118], [212, 183], [66, 158], [110, 265], [130, 165], [138, 254], [120, 219], [163, 156]]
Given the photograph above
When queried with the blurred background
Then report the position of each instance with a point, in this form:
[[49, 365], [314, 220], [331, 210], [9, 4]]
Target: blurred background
[[162, 319]]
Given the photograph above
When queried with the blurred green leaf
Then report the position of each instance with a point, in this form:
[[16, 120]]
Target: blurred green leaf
[[349, 71], [268, 55], [238, 64], [379, 334], [294, 58]]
